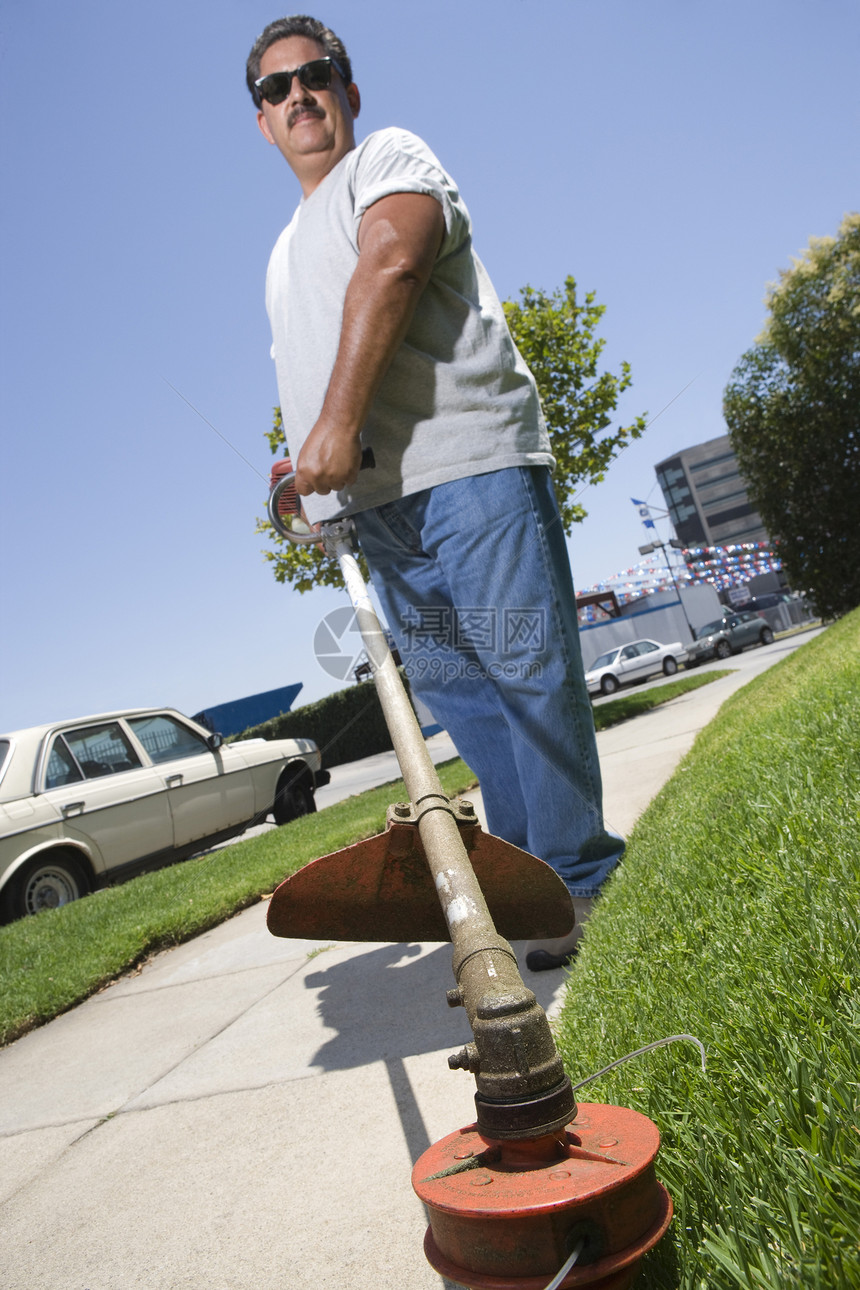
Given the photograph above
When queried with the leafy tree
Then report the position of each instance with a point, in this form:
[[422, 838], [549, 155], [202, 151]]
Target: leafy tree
[[792, 408], [556, 336]]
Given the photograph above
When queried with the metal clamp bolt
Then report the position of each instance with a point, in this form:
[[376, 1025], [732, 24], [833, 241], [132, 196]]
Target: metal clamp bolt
[[466, 1060]]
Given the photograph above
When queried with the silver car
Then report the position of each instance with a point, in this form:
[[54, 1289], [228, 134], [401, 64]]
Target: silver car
[[729, 635], [633, 662], [90, 801]]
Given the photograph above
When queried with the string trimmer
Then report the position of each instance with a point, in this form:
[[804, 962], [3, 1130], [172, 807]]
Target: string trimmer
[[536, 1183]]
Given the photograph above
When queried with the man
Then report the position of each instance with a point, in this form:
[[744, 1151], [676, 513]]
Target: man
[[387, 333]]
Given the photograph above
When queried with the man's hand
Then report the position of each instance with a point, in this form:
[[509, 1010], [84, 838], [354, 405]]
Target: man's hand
[[329, 461], [399, 239]]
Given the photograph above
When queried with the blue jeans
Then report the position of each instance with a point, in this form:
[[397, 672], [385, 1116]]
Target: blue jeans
[[475, 582]]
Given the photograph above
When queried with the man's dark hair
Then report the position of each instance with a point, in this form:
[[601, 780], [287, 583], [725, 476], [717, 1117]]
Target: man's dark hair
[[299, 24]]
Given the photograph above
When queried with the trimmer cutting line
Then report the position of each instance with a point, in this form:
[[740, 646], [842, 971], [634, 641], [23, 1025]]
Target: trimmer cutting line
[[536, 1187]]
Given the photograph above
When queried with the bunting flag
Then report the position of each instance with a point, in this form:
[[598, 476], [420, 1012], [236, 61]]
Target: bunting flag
[[731, 565], [721, 567]]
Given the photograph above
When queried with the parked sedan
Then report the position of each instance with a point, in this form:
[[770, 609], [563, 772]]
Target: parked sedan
[[633, 662], [729, 635], [90, 801]]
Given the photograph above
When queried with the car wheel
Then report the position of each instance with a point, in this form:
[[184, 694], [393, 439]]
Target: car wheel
[[766, 637], [46, 882], [294, 797], [670, 667], [608, 684], [722, 649]]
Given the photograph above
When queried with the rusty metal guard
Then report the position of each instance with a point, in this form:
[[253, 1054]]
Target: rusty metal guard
[[381, 889]]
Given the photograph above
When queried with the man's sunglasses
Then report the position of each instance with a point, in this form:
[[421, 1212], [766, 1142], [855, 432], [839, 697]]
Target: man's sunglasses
[[315, 75]]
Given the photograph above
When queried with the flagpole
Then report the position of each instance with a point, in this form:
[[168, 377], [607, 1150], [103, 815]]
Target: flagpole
[[645, 515]]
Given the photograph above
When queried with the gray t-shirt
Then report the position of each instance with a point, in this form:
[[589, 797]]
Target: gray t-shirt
[[458, 399]]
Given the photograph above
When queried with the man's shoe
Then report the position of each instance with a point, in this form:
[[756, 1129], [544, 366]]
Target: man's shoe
[[542, 956]]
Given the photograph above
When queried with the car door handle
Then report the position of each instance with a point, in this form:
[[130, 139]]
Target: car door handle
[[173, 781], [73, 808]]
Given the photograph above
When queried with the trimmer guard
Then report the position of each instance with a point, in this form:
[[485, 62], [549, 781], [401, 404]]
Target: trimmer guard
[[381, 889]]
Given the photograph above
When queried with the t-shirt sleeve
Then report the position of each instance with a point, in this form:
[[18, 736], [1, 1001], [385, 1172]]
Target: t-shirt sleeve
[[395, 161]]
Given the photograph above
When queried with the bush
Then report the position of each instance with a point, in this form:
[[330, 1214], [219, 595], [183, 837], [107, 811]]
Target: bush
[[345, 726]]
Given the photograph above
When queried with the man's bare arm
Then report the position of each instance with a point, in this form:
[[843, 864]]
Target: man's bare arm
[[399, 239]]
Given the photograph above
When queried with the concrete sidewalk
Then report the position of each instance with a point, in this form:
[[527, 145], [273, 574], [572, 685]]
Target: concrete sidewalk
[[244, 1111]]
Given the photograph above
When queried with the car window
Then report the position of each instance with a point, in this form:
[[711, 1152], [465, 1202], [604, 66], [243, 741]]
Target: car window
[[708, 629], [647, 647], [62, 767], [166, 739], [5, 760], [101, 750], [629, 651]]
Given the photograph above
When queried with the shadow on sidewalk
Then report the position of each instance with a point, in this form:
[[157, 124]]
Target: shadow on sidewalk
[[388, 1004]]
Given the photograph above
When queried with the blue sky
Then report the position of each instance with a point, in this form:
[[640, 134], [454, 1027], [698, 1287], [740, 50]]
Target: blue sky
[[672, 155]]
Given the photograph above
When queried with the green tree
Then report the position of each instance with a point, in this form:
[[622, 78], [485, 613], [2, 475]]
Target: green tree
[[556, 336], [792, 407]]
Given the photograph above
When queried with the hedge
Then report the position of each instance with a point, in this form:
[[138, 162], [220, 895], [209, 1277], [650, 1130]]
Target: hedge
[[345, 726]]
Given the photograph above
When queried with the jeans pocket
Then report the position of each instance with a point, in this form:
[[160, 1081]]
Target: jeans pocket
[[391, 518]]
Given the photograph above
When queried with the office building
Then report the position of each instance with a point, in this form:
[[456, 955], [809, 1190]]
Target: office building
[[706, 496]]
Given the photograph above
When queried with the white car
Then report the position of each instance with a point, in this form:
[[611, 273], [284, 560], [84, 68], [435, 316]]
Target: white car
[[633, 662], [86, 802]]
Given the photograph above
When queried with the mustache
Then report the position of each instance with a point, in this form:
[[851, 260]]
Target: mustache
[[304, 109]]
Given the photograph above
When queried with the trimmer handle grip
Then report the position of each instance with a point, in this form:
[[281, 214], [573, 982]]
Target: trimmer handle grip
[[284, 505]]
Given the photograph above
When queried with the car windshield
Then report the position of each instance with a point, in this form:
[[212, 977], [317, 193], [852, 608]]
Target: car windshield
[[708, 629], [604, 660], [4, 753]]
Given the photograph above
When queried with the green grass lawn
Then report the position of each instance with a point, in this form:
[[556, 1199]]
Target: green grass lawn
[[635, 702], [735, 916]]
